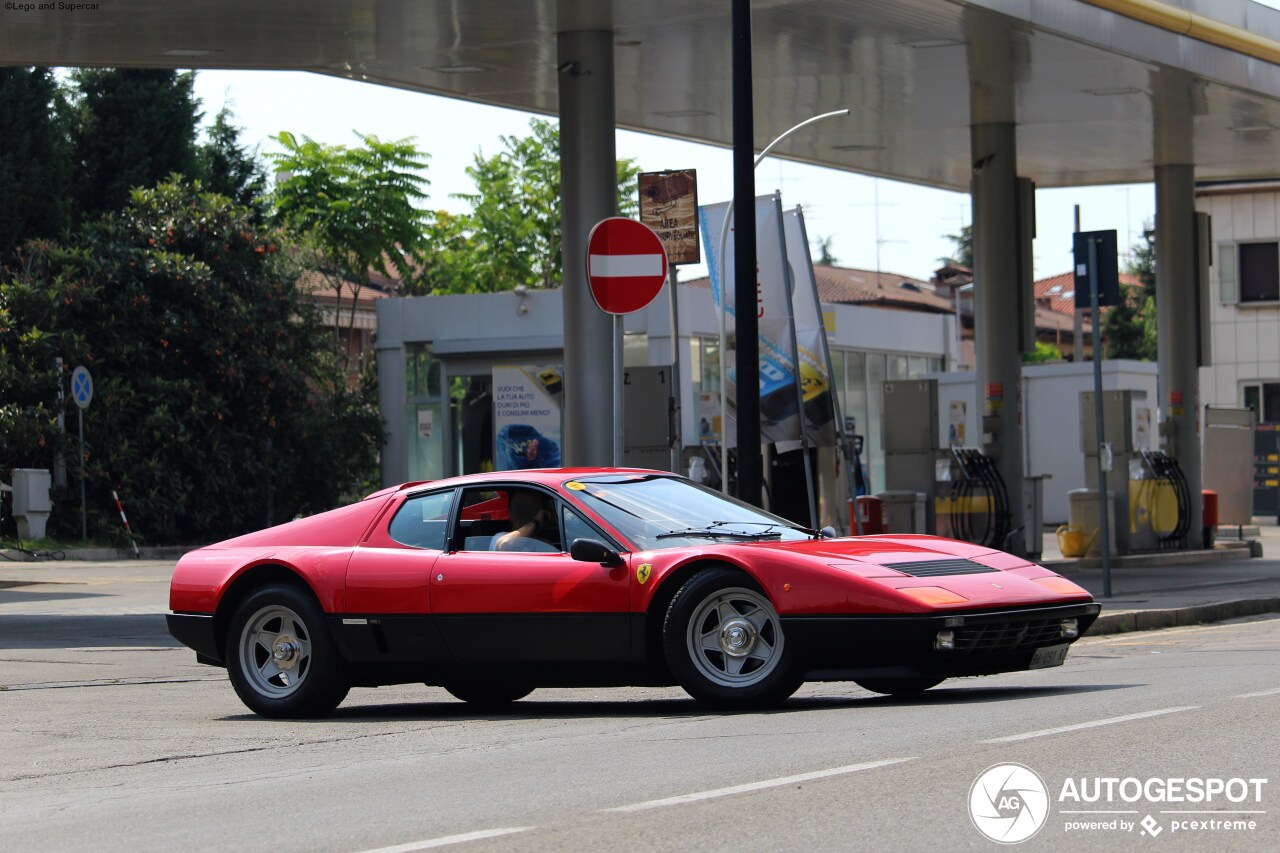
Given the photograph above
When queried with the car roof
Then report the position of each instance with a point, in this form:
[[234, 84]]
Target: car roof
[[538, 476]]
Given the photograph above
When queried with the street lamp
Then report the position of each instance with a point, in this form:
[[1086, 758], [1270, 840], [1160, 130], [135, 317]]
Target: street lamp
[[724, 236]]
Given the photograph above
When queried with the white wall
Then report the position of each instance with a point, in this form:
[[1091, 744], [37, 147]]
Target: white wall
[[1051, 412], [1246, 339]]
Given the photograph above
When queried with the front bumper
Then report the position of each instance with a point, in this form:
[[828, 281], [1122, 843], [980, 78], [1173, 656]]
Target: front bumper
[[836, 648], [196, 631]]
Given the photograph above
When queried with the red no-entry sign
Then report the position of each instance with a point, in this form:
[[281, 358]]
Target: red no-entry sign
[[626, 265]]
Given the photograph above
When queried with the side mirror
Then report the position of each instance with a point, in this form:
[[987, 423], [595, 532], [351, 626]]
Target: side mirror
[[828, 532], [595, 551]]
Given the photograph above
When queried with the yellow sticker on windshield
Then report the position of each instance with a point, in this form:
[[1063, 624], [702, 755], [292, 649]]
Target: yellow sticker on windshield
[[643, 571], [575, 486]]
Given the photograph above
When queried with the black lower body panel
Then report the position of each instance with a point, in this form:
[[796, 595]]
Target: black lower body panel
[[837, 648], [545, 650], [196, 631]]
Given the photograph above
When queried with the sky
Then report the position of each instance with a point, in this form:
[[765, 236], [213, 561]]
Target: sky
[[908, 223]]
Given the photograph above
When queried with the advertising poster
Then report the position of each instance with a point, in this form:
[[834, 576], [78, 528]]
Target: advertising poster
[[669, 205], [527, 414]]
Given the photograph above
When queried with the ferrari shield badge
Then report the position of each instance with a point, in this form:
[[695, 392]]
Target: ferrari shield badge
[[643, 571]]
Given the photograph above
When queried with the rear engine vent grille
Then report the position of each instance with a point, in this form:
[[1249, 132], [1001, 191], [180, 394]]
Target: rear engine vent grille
[[940, 568], [1008, 636]]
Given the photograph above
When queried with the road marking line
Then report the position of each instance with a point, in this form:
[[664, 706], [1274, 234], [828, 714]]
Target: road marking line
[[1272, 692], [756, 786], [1091, 724], [446, 840]]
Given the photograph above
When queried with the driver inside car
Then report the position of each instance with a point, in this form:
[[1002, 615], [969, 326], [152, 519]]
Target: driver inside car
[[530, 514]]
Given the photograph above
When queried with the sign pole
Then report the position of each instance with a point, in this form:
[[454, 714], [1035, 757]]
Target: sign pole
[[677, 418], [1103, 503], [619, 377], [84, 523], [82, 395]]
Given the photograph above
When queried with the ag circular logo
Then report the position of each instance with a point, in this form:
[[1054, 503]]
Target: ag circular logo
[[1009, 803]]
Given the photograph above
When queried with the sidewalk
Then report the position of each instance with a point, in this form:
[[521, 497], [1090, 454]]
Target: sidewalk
[[1183, 588]]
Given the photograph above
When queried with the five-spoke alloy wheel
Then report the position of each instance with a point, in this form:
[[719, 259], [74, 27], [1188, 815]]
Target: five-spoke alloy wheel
[[724, 642], [280, 657]]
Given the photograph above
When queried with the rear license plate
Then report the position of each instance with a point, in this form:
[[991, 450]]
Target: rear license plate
[[1049, 656]]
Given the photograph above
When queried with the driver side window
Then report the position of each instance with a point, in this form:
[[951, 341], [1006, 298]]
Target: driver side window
[[509, 519]]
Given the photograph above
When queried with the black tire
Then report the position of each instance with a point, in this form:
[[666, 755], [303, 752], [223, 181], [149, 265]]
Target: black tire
[[899, 686], [308, 679], [488, 694], [715, 609]]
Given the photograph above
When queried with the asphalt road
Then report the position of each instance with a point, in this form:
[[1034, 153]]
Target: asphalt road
[[111, 738]]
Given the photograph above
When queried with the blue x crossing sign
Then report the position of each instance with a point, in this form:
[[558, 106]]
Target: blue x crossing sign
[[81, 387]]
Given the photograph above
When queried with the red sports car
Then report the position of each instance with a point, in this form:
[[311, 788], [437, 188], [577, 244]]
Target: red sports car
[[491, 585]]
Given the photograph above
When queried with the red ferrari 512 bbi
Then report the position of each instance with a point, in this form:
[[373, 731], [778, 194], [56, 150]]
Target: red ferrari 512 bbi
[[492, 585]]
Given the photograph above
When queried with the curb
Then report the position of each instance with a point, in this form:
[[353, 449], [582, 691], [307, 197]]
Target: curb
[[168, 552], [1158, 558], [1125, 621]]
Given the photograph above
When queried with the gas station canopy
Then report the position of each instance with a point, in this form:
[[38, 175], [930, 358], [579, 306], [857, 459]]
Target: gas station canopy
[[1095, 93]]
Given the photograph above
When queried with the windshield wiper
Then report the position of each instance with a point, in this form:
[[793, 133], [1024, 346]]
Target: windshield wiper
[[816, 534], [709, 532]]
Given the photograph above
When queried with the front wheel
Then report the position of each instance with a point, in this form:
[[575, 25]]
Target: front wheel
[[280, 657], [724, 643]]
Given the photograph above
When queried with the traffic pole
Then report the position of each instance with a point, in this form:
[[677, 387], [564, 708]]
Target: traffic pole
[[119, 506]]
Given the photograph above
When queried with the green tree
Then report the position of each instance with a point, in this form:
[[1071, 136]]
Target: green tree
[[226, 167], [963, 242], [356, 209], [34, 158], [824, 251], [1130, 327], [1043, 353], [514, 225], [212, 402], [130, 127]]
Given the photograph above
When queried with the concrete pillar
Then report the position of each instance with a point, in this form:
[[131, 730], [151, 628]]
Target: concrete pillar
[[588, 182], [392, 399], [996, 315], [1177, 326]]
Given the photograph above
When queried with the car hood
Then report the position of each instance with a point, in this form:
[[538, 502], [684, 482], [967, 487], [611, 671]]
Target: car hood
[[984, 577], [887, 550]]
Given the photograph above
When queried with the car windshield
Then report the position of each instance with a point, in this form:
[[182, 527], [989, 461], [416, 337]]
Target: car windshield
[[655, 511]]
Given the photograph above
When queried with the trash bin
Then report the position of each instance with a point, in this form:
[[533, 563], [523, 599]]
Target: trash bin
[[1210, 523], [1082, 516], [871, 512], [904, 512]]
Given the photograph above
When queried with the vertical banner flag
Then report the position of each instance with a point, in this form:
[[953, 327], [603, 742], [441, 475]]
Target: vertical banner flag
[[527, 416], [779, 404], [815, 371]]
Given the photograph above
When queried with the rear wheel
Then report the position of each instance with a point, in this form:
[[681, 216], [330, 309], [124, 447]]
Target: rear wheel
[[898, 686], [724, 643], [280, 657], [488, 694]]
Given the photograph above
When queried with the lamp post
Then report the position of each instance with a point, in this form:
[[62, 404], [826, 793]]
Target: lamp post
[[724, 236]]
